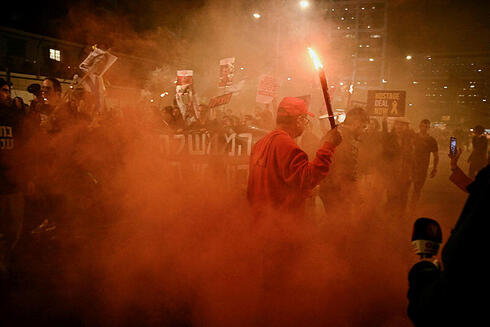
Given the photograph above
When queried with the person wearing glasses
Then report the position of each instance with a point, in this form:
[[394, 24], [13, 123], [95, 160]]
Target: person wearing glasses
[[281, 175]]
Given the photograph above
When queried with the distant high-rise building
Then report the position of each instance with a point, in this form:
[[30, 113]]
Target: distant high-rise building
[[357, 29], [451, 85]]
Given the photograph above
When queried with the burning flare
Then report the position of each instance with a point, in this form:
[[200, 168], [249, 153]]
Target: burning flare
[[316, 60]]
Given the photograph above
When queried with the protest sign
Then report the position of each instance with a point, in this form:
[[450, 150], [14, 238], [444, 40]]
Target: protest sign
[[226, 72], [97, 62], [184, 94], [207, 144], [220, 100], [184, 77], [192, 156], [267, 89], [391, 103]]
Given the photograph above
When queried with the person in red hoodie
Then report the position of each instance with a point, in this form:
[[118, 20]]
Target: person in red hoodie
[[281, 176]]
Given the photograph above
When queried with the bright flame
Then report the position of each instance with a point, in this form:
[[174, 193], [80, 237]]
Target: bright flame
[[256, 15], [316, 60], [351, 88]]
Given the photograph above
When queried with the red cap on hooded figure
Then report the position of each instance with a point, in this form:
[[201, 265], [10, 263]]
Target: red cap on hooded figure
[[291, 106]]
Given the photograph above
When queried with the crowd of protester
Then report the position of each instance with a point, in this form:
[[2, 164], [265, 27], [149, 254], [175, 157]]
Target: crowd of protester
[[372, 158], [390, 160]]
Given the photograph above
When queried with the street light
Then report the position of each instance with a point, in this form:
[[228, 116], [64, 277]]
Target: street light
[[256, 15], [304, 4], [408, 57]]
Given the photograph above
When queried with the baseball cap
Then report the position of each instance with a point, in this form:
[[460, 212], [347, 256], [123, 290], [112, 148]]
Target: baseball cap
[[291, 106]]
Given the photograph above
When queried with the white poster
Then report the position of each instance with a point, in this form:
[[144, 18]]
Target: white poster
[[97, 62], [184, 95], [226, 72], [267, 89]]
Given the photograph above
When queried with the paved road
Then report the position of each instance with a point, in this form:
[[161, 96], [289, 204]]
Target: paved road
[[441, 199]]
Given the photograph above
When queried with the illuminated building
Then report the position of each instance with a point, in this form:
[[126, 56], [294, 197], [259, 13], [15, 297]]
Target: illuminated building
[[453, 86], [359, 28]]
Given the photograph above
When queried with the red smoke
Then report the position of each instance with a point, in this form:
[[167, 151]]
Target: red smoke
[[148, 246]]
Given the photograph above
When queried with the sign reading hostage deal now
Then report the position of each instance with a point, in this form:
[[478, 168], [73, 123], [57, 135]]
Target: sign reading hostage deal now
[[387, 102]]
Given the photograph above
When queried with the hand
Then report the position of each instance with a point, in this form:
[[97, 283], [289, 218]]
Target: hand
[[454, 158], [333, 137], [433, 173]]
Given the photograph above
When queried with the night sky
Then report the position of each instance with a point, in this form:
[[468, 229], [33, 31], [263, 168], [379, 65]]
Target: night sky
[[415, 25]]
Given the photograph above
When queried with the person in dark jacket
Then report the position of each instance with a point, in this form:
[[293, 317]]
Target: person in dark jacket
[[397, 157], [11, 195], [457, 294], [339, 191]]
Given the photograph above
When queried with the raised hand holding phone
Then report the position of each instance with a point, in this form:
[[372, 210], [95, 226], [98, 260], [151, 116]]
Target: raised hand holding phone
[[452, 146]]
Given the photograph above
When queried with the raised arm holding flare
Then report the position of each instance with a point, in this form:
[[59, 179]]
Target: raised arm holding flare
[[281, 176]]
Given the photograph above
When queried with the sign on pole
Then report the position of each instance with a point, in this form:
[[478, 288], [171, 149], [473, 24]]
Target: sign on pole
[[383, 102], [267, 89], [184, 78], [184, 93], [97, 62], [226, 72]]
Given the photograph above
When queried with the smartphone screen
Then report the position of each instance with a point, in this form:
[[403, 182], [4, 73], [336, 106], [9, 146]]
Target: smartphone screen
[[452, 145]]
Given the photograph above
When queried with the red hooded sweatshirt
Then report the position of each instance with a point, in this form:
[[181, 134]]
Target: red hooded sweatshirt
[[281, 177]]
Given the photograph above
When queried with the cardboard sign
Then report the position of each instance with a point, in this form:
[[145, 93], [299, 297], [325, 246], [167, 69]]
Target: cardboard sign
[[184, 77], [226, 72], [97, 62], [220, 100], [267, 89], [184, 94], [383, 102]]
